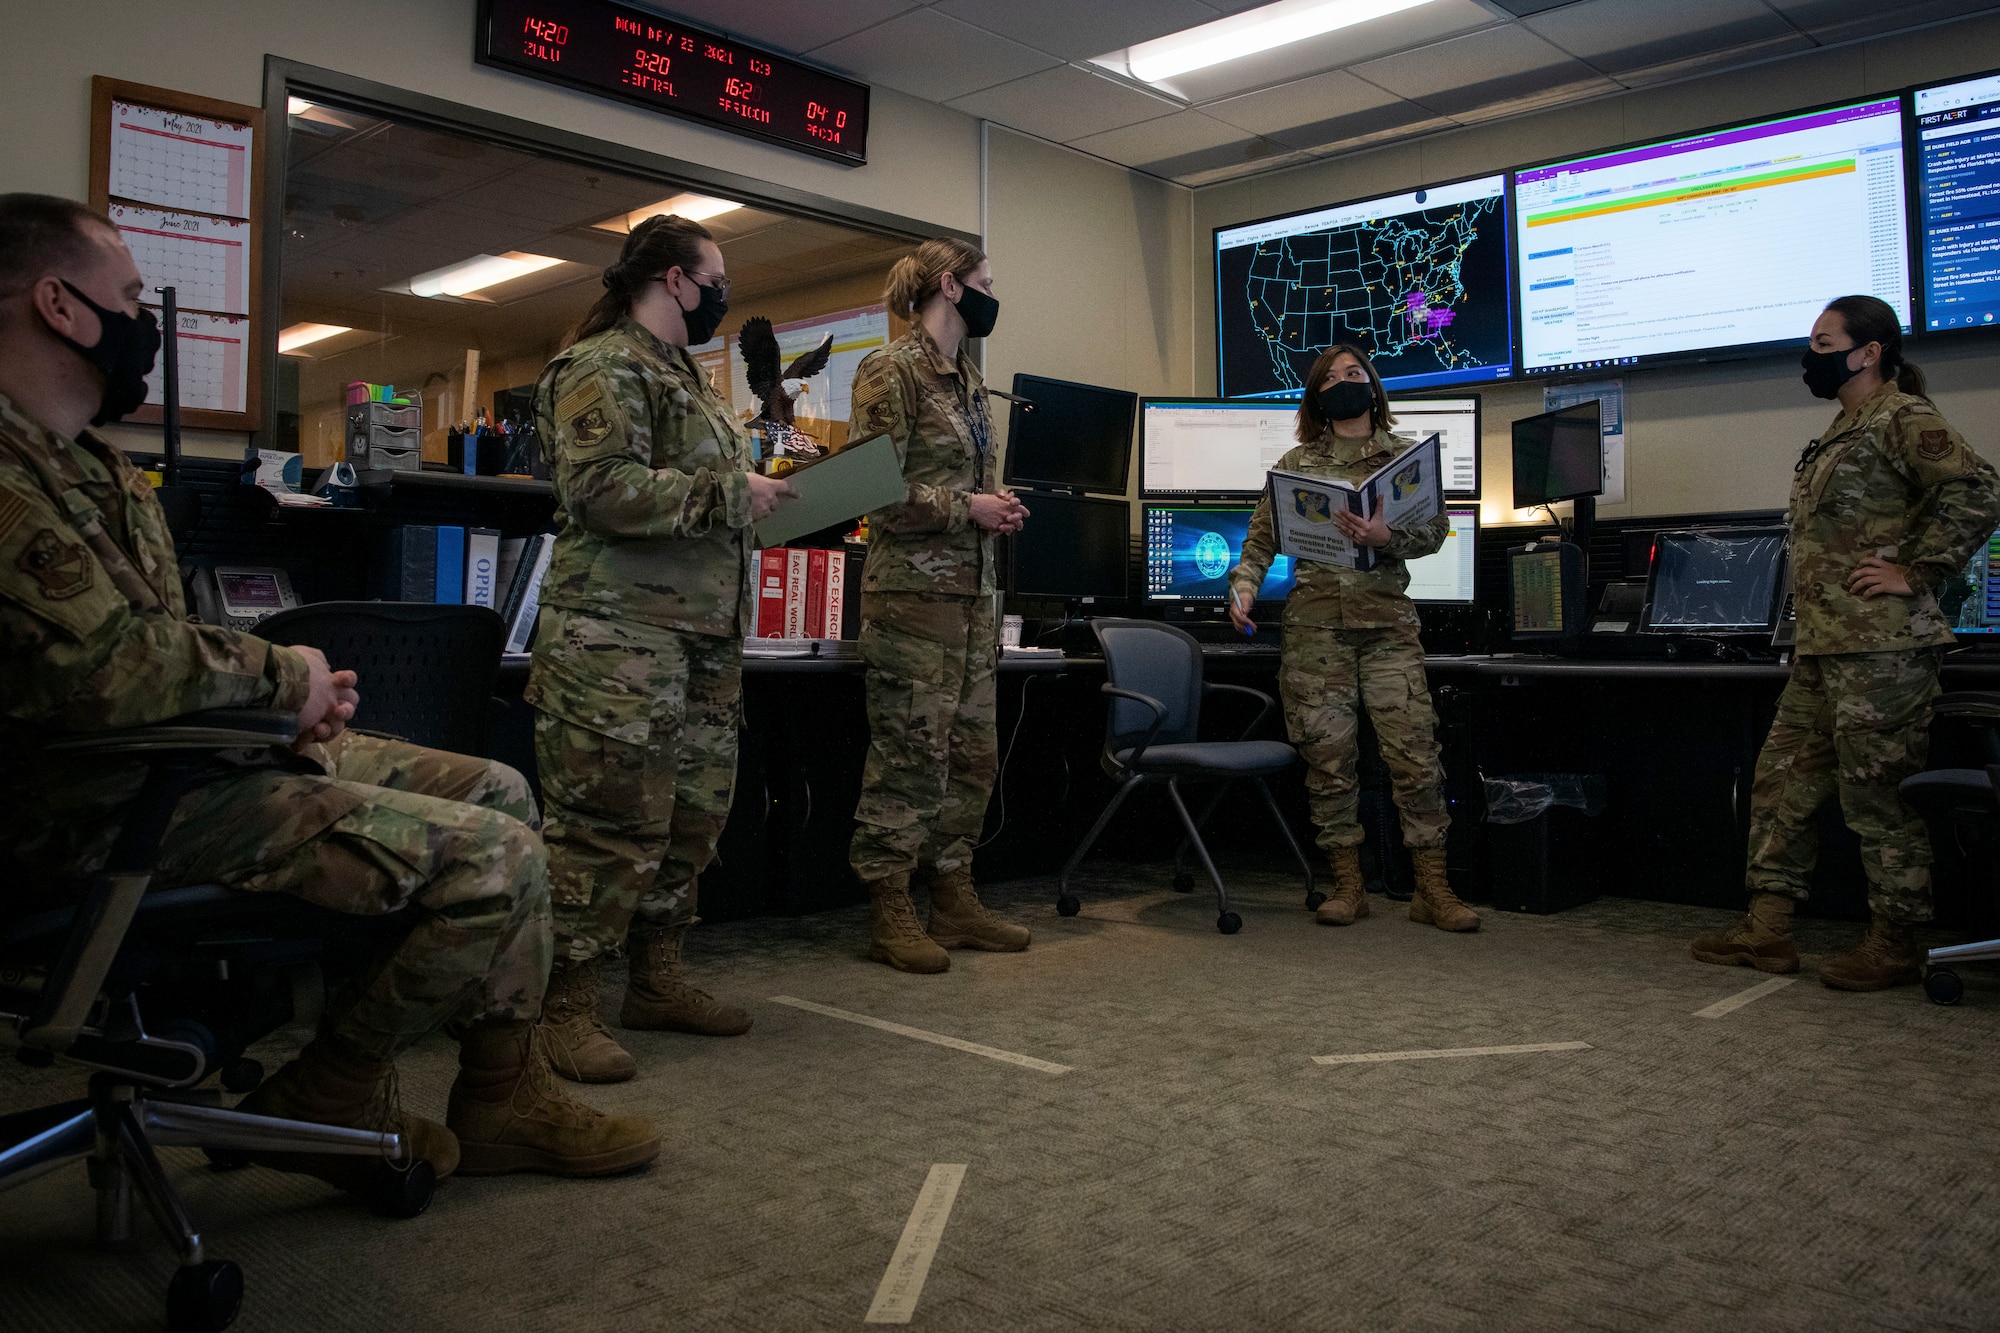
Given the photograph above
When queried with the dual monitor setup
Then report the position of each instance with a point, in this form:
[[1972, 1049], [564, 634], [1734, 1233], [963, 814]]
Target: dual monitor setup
[[1693, 247], [1202, 467]]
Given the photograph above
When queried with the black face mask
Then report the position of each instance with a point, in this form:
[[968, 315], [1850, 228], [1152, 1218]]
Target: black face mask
[[1827, 371], [1345, 400], [978, 310], [706, 317], [123, 354]]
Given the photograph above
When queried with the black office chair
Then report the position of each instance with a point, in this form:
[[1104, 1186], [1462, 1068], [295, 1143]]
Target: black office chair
[[210, 969], [1966, 798], [1152, 734], [427, 669]]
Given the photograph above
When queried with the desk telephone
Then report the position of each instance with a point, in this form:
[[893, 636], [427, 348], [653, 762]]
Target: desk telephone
[[239, 597]]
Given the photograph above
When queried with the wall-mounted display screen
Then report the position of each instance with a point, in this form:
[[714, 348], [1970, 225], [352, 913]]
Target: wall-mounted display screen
[[657, 61], [1418, 279], [1733, 239], [1958, 202], [1188, 551]]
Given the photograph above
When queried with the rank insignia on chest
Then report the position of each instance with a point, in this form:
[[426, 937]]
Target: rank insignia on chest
[[62, 568], [1934, 444]]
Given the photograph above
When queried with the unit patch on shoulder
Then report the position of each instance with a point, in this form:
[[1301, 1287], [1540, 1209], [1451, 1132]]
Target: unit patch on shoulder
[[62, 568], [591, 425], [1934, 444]]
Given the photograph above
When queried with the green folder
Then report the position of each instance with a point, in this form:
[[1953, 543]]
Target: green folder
[[861, 478]]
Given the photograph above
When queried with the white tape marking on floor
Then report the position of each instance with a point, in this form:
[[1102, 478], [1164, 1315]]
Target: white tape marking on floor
[[903, 1281], [936, 1038], [1382, 1057], [1741, 998]]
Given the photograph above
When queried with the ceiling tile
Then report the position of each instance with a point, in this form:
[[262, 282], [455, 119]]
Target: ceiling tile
[[1617, 35], [1302, 101], [1789, 42], [1334, 50], [932, 56], [1156, 140], [1063, 103], [1844, 20], [1477, 70], [1076, 31], [1523, 8], [1345, 133], [1226, 170], [784, 25]]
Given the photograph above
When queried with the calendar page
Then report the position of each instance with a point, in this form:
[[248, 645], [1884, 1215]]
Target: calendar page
[[205, 260], [179, 161], [214, 363]]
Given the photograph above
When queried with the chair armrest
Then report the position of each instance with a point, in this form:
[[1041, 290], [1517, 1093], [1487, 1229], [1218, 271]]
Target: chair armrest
[[1159, 715], [214, 729], [1268, 703]]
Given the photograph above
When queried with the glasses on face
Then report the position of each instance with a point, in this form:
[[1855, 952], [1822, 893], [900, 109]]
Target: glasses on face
[[716, 281]]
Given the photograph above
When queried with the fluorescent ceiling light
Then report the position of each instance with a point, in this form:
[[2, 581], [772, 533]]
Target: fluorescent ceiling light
[[693, 207], [479, 272], [1246, 34], [304, 335]]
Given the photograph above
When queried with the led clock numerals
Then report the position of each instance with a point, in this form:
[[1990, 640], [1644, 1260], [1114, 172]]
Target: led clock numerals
[[824, 123], [649, 72], [652, 61], [544, 39], [759, 66]]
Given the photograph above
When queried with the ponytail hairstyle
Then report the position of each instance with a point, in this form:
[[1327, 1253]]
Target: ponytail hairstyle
[[1869, 319], [1312, 421], [654, 246], [917, 276]]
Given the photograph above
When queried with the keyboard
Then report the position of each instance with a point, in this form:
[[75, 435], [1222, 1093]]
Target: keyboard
[[1245, 649]]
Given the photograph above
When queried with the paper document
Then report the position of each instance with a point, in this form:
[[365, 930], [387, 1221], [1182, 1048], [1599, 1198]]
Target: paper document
[[1302, 507], [176, 160], [864, 476], [205, 260]]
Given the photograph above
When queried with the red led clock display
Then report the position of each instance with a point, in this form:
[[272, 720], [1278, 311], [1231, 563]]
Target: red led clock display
[[656, 61]]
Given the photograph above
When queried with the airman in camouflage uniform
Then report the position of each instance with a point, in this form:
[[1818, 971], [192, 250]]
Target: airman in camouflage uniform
[[1891, 479], [927, 636], [1350, 640], [637, 675], [100, 637]]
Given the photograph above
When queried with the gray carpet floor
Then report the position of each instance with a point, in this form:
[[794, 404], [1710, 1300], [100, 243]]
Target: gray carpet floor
[[1812, 1161]]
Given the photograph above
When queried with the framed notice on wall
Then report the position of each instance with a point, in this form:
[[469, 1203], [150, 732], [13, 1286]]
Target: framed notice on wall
[[179, 176]]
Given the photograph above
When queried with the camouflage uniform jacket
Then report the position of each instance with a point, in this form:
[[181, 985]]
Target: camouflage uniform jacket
[[79, 656], [935, 411], [1892, 479], [1328, 596], [651, 492]]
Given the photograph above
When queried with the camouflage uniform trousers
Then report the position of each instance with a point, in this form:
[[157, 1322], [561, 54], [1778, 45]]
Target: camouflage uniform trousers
[[1324, 678], [1855, 724], [633, 819], [447, 834], [933, 745]]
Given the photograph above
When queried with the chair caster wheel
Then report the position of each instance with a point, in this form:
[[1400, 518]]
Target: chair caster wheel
[[226, 1159], [1183, 882], [1314, 899], [1943, 986], [1069, 905], [204, 1297], [403, 1192], [242, 1076], [1229, 923]]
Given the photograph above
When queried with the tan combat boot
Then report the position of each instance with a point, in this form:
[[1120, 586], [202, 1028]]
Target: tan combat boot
[[510, 1114], [1349, 902], [1434, 904], [660, 998], [1762, 939], [580, 1047], [960, 921], [327, 1086], [1887, 956], [898, 938]]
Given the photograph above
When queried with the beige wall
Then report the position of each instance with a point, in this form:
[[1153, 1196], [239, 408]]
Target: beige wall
[[1700, 438], [1086, 263]]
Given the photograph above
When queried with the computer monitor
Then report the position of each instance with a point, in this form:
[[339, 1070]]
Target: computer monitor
[[1958, 202], [1079, 436], [1419, 279], [1449, 573], [1970, 598], [1545, 591], [1189, 550], [1455, 421], [1727, 241], [1211, 446], [1716, 581], [1073, 547], [1558, 456]]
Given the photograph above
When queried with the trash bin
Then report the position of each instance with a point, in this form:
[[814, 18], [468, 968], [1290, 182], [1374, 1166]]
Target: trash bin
[[1542, 840]]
